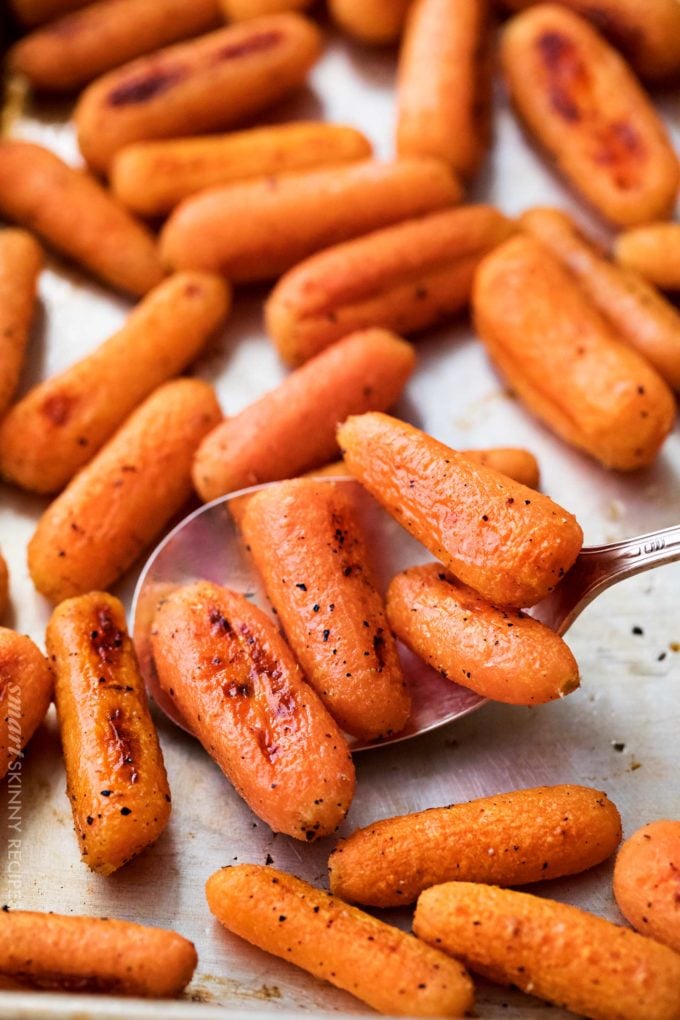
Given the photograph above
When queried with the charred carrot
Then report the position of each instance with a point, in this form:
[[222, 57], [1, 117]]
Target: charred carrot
[[237, 685], [57, 952], [653, 251], [115, 775], [381, 965], [585, 107], [76, 216], [510, 839], [638, 313], [444, 83], [259, 229], [216, 81], [499, 653], [307, 542], [21, 260], [508, 542], [61, 424], [565, 361], [648, 35], [647, 881], [292, 428], [376, 22], [68, 53], [151, 178], [552, 950], [25, 695], [405, 277], [95, 529]]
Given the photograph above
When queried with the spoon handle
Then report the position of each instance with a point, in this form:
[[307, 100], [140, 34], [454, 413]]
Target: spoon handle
[[599, 567]]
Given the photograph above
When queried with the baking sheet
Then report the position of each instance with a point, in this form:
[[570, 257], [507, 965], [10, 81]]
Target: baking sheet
[[631, 680]]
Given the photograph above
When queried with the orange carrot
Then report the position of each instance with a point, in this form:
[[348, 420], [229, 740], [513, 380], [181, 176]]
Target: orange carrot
[[508, 542], [647, 881], [237, 685], [383, 966], [306, 539], [21, 260], [25, 694], [498, 653], [292, 428], [510, 839]]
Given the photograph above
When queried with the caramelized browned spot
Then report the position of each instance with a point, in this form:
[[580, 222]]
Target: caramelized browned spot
[[107, 639], [620, 148], [122, 744], [567, 75], [218, 623], [58, 408], [54, 981], [257, 42], [145, 86], [379, 649]]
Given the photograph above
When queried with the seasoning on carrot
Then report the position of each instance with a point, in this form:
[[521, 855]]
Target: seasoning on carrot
[[307, 542], [557, 952], [384, 967], [96, 528], [508, 542], [647, 881], [292, 428], [497, 652], [236, 683], [510, 839]]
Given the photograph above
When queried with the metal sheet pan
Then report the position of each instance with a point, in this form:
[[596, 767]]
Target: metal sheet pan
[[631, 679]]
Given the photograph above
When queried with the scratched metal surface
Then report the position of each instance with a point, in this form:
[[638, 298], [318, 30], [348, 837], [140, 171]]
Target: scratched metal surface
[[631, 681]]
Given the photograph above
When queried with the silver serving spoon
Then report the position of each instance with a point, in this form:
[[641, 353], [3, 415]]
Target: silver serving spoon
[[207, 546]]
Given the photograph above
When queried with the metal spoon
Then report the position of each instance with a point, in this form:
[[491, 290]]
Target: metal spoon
[[207, 546]]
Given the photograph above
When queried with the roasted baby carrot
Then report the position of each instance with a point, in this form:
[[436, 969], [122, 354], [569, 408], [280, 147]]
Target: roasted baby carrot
[[565, 361], [121, 501], [151, 178], [61, 423], [653, 251], [115, 775], [497, 652], [376, 22], [235, 682], [76, 216], [648, 35], [35, 12], [405, 277], [307, 542], [444, 83], [386, 968], [638, 313], [243, 10], [25, 695], [57, 952], [21, 260], [510, 839], [647, 881], [585, 107], [68, 53], [259, 229], [291, 429], [552, 950], [508, 542], [216, 81]]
